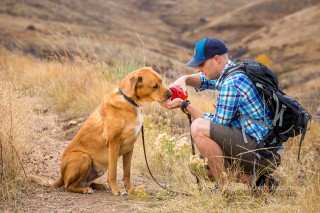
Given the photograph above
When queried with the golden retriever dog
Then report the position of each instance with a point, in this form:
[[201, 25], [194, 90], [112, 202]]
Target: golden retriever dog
[[110, 132]]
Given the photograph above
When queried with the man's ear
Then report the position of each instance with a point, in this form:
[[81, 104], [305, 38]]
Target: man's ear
[[135, 81]]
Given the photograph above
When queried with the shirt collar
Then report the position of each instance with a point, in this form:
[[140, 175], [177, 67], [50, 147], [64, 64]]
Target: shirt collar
[[229, 64]]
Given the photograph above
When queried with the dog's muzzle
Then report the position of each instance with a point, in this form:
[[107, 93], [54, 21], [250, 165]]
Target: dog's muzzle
[[168, 95]]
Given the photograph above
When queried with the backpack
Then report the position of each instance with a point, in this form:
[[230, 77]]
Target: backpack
[[289, 118]]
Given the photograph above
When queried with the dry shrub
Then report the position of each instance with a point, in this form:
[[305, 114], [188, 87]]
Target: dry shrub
[[16, 140], [74, 88], [169, 156], [263, 59]]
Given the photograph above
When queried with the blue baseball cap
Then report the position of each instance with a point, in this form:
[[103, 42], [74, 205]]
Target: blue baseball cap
[[207, 48]]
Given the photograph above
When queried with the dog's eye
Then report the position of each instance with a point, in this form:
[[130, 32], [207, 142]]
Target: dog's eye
[[156, 86]]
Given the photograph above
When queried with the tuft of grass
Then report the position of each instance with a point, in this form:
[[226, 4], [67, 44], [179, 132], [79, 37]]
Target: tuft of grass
[[74, 88], [139, 193], [16, 142]]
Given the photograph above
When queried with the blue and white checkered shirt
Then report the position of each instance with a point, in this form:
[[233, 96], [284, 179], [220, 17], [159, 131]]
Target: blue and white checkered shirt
[[236, 93]]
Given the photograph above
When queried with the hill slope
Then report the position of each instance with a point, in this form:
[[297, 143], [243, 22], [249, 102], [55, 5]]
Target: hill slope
[[295, 52], [162, 33]]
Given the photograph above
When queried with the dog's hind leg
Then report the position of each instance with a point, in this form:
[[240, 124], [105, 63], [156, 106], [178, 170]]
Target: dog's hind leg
[[98, 186], [58, 183], [79, 189], [76, 173]]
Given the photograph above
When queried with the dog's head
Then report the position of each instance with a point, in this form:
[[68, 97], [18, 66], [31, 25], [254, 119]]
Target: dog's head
[[144, 86]]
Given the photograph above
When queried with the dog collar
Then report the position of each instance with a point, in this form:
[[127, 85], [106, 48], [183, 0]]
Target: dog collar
[[128, 99]]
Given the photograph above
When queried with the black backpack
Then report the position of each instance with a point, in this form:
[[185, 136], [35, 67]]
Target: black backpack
[[289, 118]]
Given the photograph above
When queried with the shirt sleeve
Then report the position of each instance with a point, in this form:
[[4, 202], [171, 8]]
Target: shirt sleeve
[[206, 84]]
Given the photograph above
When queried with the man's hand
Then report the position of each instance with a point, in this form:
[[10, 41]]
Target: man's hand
[[175, 103], [181, 83]]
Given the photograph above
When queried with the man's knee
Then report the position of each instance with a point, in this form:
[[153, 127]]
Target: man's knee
[[200, 127]]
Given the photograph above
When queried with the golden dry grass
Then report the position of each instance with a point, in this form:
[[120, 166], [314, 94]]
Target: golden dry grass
[[76, 88], [299, 182], [73, 88], [16, 141]]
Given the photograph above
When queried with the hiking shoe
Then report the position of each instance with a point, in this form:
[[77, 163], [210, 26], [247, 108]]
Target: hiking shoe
[[261, 184]]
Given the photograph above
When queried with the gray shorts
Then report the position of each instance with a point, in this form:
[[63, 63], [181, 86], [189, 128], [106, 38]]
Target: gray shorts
[[239, 153]]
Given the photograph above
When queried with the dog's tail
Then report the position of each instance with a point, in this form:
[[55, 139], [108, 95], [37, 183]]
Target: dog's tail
[[59, 182], [40, 180]]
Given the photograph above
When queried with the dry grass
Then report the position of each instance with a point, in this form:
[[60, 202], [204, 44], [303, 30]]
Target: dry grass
[[76, 88], [73, 88], [16, 142], [169, 157]]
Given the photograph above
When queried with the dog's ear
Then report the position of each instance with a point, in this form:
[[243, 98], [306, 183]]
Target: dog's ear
[[135, 81]]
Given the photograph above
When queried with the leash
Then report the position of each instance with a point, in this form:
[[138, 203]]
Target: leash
[[192, 142], [149, 170], [144, 148]]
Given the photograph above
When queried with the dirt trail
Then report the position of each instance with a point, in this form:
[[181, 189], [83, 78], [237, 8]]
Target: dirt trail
[[44, 161]]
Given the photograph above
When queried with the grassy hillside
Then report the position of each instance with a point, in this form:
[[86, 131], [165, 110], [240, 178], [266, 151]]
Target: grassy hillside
[[162, 34], [74, 89], [59, 58], [295, 52], [248, 17]]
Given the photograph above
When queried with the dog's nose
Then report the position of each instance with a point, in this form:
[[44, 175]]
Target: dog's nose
[[169, 94]]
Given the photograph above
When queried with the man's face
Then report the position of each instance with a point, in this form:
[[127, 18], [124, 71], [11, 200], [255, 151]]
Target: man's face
[[210, 68]]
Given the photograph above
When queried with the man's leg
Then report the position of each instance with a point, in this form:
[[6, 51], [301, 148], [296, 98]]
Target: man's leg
[[200, 131]]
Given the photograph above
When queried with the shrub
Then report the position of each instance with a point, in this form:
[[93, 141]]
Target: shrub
[[263, 59]]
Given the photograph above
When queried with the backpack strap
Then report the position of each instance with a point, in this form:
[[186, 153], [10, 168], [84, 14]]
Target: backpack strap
[[308, 117], [253, 120], [278, 114], [240, 68], [243, 131], [256, 121], [232, 69], [302, 138], [254, 172]]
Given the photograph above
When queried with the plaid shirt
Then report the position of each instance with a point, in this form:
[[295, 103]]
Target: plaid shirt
[[237, 94]]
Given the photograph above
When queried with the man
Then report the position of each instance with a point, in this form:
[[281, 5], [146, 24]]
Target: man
[[219, 137]]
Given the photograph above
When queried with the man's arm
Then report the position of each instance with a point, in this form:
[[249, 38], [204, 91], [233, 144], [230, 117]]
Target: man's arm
[[194, 112], [192, 80]]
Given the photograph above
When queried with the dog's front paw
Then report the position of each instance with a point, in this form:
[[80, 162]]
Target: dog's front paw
[[119, 193], [124, 193], [99, 186], [128, 185], [131, 190], [115, 193]]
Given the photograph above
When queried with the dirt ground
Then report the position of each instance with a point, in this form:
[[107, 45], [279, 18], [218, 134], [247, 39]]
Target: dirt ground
[[44, 161]]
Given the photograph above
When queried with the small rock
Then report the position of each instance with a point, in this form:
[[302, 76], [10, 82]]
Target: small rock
[[72, 123], [31, 27]]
